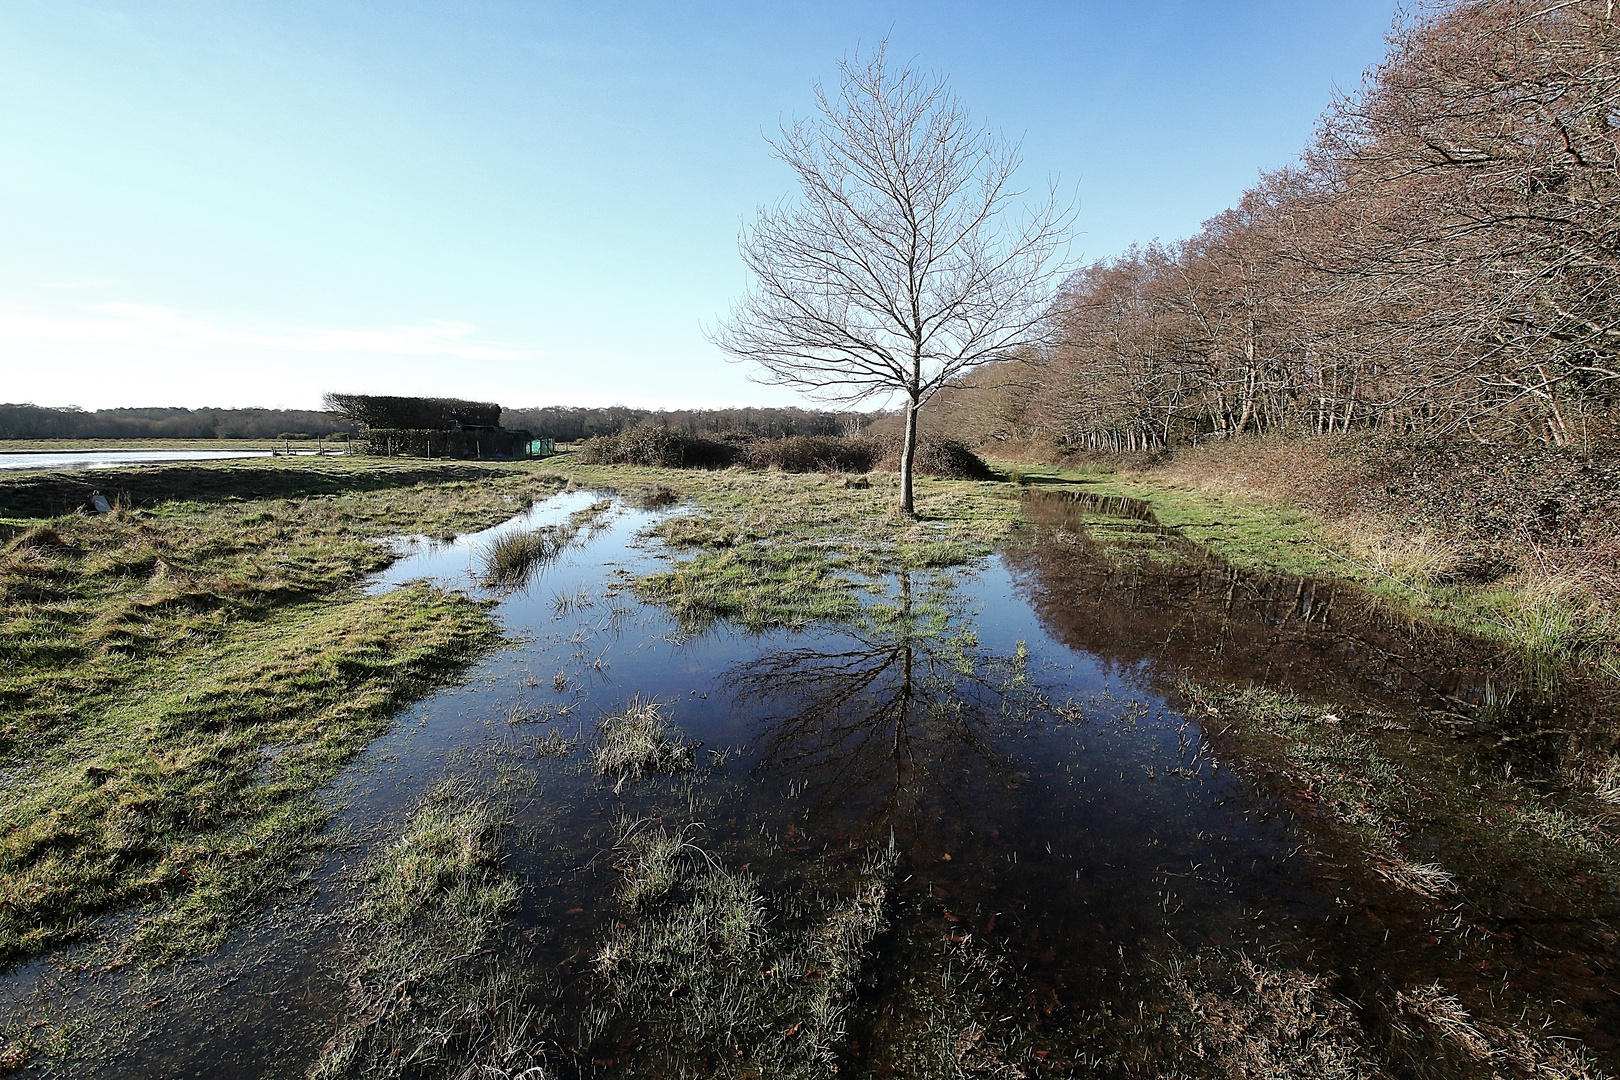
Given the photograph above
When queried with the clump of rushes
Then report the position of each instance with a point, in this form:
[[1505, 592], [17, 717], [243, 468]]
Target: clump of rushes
[[430, 995], [511, 559], [639, 740]]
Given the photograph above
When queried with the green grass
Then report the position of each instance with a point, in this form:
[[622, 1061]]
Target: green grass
[[179, 681], [763, 549], [1246, 533], [429, 994]]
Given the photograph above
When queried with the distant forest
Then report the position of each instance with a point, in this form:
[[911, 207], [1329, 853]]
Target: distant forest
[[41, 422], [1442, 261], [553, 422], [571, 424]]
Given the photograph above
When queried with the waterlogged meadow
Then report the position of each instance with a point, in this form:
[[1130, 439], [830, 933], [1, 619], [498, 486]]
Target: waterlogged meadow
[[1057, 795]]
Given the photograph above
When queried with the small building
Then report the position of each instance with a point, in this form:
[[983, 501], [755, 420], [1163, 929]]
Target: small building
[[431, 427]]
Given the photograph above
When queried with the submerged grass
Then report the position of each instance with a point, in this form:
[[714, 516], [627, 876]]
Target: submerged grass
[[637, 740], [704, 962], [430, 994], [178, 681], [1395, 792]]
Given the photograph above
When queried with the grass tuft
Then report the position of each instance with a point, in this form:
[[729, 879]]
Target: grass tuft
[[512, 559], [638, 740]]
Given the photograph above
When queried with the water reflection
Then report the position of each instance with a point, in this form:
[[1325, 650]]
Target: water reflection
[[986, 791], [1422, 749], [1162, 604], [886, 719]]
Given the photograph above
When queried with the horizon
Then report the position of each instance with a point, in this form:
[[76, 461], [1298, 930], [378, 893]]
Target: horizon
[[205, 205]]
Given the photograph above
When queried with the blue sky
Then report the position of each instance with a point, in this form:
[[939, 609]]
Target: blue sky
[[249, 203]]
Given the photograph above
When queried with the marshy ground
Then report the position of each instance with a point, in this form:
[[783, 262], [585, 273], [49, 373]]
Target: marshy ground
[[642, 772]]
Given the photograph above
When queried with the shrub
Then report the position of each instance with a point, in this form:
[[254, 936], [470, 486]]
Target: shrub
[[937, 456], [815, 453], [657, 446], [858, 454]]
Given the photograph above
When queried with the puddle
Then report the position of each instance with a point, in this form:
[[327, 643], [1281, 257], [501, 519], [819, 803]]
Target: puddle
[[987, 793]]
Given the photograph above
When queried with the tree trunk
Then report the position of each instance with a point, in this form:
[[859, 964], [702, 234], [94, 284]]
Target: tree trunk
[[908, 454]]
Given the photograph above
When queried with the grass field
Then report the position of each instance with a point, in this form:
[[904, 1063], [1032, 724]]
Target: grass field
[[182, 677]]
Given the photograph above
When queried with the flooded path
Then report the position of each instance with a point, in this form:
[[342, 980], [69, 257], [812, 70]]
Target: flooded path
[[1025, 819]]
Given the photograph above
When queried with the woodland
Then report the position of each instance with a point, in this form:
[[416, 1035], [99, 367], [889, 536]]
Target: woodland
[[1441, 262]]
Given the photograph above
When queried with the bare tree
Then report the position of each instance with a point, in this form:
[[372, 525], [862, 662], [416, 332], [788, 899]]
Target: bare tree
[[899, 268]]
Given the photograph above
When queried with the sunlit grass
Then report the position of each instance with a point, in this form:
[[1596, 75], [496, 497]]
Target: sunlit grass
[[177, 682]]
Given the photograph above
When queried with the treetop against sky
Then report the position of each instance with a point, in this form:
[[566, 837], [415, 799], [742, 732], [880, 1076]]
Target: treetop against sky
[[206, 203]]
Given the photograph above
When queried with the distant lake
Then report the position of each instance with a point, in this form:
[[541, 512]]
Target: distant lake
[[106, 459]]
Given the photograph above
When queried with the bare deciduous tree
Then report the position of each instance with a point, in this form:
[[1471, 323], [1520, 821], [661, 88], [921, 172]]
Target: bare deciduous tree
[[1443, 261], [908, 258]]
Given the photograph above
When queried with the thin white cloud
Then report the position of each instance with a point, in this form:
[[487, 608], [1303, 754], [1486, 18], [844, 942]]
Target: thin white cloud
[[150, 326]]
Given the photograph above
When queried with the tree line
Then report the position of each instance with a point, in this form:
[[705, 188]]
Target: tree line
[[1442, 260], [45, 422], [570, 424], [560, 422]]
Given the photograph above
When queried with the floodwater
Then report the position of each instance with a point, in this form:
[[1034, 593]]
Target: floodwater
[[1003, 756], [108, 459]]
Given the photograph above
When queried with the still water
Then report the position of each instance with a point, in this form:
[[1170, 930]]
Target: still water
[[998, 765], [107, 459]]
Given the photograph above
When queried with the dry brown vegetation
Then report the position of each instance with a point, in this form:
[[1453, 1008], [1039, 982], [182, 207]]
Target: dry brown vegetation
[[1441, 261]]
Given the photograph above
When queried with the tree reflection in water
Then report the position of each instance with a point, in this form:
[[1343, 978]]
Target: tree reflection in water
[[900, 716]]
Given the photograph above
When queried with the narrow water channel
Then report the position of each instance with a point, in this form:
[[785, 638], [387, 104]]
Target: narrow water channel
[[995, 826]]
